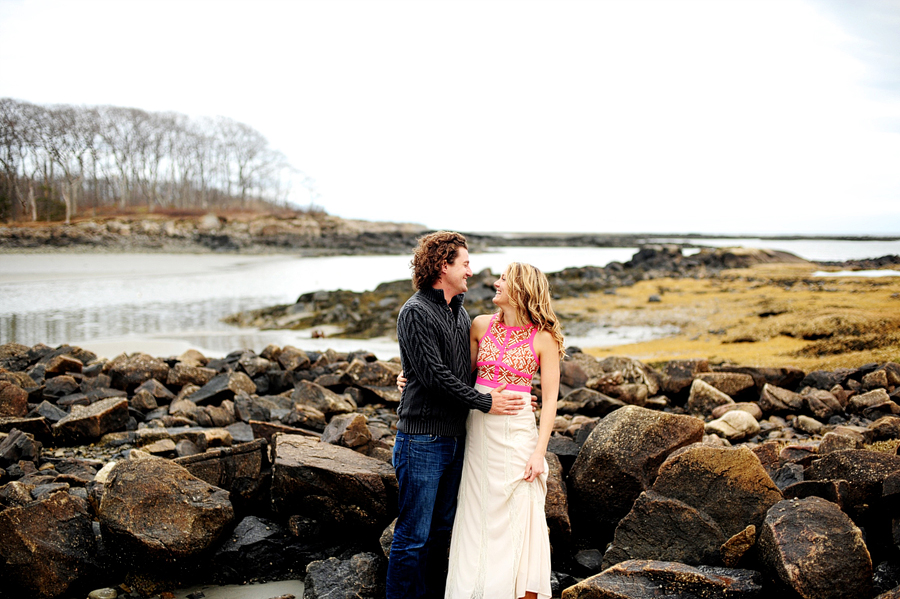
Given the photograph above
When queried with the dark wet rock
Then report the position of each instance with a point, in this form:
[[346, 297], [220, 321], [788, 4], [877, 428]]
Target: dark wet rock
[[873, 405], [325, 401], [776, 400], [14, 356], [835, 441], [143, 401], [665, 529], [222, 387], [261, 549], [785, 377], [865, 471], [15, 494], [348, 430], [556, 507], [153, 509], [48, 411], [787, 475], [733, 384], [823, 379], [13, 400], [737, 546], [18, 446], [643, 579], [377, 378], [588, 402], [292, 358], [47, 546], [704, 398], [62, 365], [885, 428], [565, 449], [332, 484], [182, 374], [266, 430], [618, 461], [730, 485], [360, 577], [835, 491], [679, 374], [822, 404], [239, 469], [89, 423], [247, 408], [571, 374], [816, 550], [128, 373]]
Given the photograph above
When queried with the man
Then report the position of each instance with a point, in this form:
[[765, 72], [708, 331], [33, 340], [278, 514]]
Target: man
[[433, 330]]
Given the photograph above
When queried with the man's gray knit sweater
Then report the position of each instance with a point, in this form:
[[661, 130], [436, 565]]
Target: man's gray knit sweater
[[434, 351]]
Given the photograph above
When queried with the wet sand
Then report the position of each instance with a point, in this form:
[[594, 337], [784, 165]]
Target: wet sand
[[265, 590]]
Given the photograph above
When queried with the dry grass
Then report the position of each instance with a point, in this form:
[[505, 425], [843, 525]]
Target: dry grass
[[768, 315]]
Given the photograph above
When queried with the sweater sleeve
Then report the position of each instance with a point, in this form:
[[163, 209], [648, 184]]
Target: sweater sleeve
[[424, 356]]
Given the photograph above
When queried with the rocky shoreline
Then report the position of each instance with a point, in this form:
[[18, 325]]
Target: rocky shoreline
[[142, 474], [368, 314]]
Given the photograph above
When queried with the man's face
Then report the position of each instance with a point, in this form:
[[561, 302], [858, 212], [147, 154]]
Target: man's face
[[455, 274]]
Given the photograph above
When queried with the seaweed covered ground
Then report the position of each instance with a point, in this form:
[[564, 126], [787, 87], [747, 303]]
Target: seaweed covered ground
[[764, 315]]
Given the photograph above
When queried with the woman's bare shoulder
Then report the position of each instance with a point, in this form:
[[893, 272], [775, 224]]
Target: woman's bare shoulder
[[480, 323]]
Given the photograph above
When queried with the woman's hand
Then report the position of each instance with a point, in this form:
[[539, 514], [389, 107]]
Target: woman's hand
[[401, 382], [535, 467]]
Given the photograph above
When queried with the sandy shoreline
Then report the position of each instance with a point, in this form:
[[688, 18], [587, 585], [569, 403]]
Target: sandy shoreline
[[246, 591]]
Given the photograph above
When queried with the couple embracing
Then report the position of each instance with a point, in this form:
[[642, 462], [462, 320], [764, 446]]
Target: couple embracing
[[478, 443]]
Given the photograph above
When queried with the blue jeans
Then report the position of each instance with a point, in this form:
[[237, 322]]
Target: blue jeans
[[429, 468]]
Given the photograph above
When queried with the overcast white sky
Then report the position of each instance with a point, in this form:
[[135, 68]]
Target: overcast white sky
[[717, 116]]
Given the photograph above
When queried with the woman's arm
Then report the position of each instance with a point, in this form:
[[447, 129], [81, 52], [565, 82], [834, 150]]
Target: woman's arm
[[547, 351]]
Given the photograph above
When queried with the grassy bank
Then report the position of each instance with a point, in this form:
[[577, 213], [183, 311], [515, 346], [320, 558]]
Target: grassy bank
[[766, 315]]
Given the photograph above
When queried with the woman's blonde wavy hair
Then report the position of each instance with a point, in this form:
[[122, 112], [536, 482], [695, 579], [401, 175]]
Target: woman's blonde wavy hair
[[529, 294]]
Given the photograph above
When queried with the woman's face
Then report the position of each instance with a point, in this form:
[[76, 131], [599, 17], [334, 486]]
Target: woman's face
[[501, 298]]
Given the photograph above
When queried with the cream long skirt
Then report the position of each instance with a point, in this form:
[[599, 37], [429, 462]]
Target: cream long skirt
[[500, 546]]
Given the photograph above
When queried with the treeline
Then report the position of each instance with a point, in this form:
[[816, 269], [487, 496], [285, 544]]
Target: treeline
[[58, 161]]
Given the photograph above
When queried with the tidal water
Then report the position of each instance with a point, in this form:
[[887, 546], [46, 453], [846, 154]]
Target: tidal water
[[163, 304]]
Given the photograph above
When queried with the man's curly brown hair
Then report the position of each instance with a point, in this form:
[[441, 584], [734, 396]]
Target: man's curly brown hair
[[430, 255]]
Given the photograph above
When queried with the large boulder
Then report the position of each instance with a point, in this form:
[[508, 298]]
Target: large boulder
[[665, 529], [333, 485], [47, 546], [618, 461], [237, 469], [816, 550], [89, 423], [644, 579], [153, 509], [730, 485]]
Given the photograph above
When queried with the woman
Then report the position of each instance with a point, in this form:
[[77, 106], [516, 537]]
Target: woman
[[500, 546]]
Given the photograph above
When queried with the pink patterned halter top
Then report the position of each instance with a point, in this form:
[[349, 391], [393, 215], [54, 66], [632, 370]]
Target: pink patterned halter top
[[506, 355]]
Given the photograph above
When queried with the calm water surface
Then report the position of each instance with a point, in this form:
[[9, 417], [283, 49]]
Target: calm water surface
[[165, 303]]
